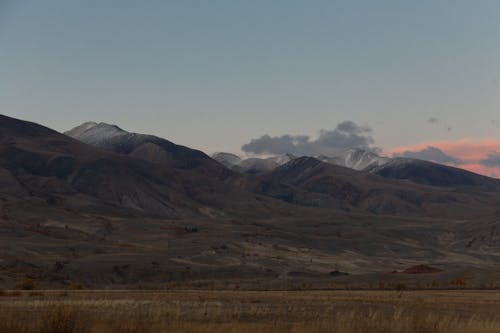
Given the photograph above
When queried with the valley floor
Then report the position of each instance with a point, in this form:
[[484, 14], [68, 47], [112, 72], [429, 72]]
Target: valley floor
[[247, 311]]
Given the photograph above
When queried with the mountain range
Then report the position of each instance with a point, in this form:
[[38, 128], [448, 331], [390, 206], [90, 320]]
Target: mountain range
[[415, 170], [103, 206]]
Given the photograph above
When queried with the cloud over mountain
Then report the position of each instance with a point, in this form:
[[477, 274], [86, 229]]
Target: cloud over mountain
[[492, 160], [345, 135], [430, 153], [478, 156]]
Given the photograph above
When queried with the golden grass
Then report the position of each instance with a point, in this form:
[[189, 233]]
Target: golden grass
[[250, 312]]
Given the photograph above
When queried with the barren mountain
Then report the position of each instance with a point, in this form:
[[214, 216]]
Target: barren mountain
[[146, 147], [227, 159], [40, 163], [74, 213], [326, 185], [415, 170], [425, 172]]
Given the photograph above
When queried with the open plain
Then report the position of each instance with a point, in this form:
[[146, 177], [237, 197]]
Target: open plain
[[250, 311]]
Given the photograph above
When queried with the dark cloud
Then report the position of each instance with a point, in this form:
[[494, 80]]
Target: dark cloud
[[492, 161], [277, 145], [345, 135], [431, 154], [436, 121]]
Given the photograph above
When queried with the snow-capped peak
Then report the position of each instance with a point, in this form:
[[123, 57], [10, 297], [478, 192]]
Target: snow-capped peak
[[78, 130], [357, 159], [282, 159], [92, 132]]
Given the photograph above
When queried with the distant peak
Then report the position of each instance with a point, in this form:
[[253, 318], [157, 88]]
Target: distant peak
[[85, 126], [227, 159], [92, 131], [88, 124], [78, 130], [109, 126]]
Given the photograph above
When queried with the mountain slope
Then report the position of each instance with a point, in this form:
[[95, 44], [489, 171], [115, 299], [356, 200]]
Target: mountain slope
[[415, 170], [147, 147], [227, 159], [60, 170], [429, 173], [74, 213], [45, 167], [327, 185]]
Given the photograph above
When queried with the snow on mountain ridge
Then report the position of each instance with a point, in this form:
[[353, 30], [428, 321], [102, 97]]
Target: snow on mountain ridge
[[252, 164], [282, 159], [143, 146], [93, 133], [357, 159], [79, 130]]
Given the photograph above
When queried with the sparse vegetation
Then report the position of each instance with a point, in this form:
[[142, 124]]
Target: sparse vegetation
[[253, 312], [74, 286], [62, 319], [52, 319], [35, 294], [26, 284]]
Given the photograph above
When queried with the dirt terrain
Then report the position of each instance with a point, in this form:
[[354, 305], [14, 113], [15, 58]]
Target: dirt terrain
[[72, 213], [331, 251]]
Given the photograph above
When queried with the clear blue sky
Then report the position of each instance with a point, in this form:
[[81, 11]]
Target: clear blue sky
[[214, 74]]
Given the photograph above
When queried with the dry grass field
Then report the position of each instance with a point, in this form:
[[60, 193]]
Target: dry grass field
[[249, 312]]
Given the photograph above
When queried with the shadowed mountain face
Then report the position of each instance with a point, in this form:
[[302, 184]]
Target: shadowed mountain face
[[414, 170], [227, 159], [70, 211], [307, 181], [429, 173], [316, 183], [146, 147], [39, 164]]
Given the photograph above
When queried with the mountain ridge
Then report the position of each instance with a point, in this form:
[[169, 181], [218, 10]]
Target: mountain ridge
[[71, 212], [144, 146], [411, 169]]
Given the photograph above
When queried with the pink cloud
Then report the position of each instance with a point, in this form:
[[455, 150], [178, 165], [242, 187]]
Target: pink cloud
[[468, 150], [481, 169]]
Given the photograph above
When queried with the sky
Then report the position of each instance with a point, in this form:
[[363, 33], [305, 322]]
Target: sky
[[406, 78]]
